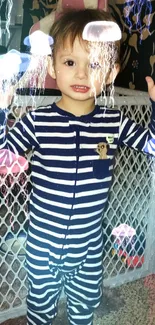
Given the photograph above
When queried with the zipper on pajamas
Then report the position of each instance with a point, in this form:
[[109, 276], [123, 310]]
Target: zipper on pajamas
[[77, 162]]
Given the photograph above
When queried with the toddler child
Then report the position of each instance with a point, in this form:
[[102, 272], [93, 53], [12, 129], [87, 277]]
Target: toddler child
[[74, 143]]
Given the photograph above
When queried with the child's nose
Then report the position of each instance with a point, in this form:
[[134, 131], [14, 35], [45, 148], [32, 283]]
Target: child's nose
[[82, 72]]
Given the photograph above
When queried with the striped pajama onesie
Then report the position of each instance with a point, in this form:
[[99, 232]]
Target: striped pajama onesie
[[72, 165]]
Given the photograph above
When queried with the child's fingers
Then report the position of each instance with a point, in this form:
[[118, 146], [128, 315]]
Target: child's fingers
[[150, 82], [151, 87]]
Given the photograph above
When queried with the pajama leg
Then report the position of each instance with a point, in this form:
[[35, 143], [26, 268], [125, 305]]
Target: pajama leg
[[79, 314], [44, 292], [84, 289], [45, 280]]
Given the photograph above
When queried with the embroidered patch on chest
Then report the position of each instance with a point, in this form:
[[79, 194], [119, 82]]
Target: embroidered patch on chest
[[102, 150]]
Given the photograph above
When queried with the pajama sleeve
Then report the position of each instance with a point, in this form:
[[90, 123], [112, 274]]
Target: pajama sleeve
[[21, 138], [135, 136]]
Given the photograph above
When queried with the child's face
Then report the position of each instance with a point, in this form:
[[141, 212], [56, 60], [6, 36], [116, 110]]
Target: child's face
[[72, 71]]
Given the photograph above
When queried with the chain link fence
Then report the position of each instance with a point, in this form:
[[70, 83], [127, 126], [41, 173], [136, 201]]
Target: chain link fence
[[126, 258]]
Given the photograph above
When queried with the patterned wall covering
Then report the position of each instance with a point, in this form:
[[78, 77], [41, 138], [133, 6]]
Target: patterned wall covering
[[138, 43], [34, 10]]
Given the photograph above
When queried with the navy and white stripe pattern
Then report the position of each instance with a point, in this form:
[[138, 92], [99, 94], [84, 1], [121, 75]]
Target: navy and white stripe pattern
[[70, 188]]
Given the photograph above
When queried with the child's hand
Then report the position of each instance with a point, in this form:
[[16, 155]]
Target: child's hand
[[151, 87], [6, 98]]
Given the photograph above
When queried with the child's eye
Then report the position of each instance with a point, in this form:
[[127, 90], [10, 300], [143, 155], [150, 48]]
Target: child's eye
[[95, 65], [70, 63]]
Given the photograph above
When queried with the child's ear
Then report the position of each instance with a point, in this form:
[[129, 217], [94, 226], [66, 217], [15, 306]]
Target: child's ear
[[113, 74], [50, 67]]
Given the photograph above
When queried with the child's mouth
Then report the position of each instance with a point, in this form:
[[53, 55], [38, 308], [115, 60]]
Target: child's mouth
[[80, 88]]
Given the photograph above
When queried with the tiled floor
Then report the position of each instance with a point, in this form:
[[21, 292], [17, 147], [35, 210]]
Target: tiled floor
[[129, 304]]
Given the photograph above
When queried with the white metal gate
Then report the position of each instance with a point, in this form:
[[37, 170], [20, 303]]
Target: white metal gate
[[130, 201]]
